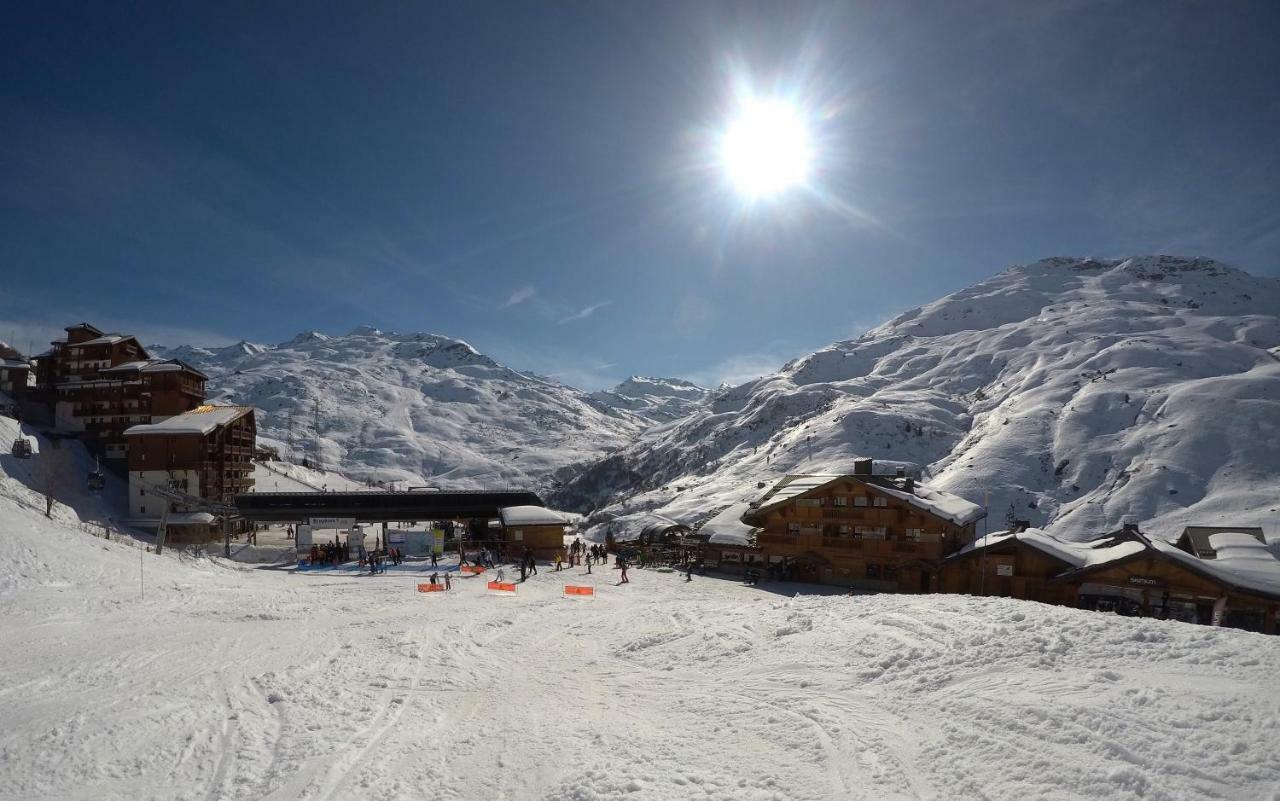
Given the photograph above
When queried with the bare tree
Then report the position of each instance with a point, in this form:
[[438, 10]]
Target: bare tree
[[55, 474]]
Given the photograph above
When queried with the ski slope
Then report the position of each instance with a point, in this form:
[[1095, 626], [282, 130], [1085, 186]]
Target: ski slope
[[225, 682]]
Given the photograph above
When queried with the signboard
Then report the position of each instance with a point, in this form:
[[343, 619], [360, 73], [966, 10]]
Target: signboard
[[502, 586], [430, 588], [474, 570], [437, 545], [1144, 581], [396, 536], [302, 538], [1004, 570], [332, 522], [571, 589]]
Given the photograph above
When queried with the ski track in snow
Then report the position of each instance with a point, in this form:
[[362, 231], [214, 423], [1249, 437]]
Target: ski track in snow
[[232, 683]]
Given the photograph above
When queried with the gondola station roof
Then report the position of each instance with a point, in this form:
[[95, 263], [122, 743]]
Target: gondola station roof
[[382, 506]]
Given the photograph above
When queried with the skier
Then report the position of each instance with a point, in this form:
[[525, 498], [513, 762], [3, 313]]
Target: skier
[[435, 558], [688, 571], [448, 583], [622, 563], [524, 567]]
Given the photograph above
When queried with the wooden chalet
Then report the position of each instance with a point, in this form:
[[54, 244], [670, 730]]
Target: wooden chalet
[[205, 453], [861, 530], [533, 528], [98, 385], [1128, 573]]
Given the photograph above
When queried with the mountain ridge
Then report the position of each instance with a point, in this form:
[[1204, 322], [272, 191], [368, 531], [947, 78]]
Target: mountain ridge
[[1025, 386]]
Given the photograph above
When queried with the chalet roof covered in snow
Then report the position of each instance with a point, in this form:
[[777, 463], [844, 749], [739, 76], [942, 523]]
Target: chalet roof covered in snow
[[200, 420], [935, 502], [641, 525], [153, 366], [14, 364], [1242, 562], [727, 527], [1076, 554], [106, 339], [1197, 539], [534, 516]]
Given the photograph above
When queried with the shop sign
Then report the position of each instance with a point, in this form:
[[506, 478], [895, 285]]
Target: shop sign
[[1144, 581], [333, 522], [1004, 570]]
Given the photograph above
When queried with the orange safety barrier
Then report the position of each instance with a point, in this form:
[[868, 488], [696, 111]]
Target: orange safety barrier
[[474, 570], [501, 586], [430, 588], [573, 589]]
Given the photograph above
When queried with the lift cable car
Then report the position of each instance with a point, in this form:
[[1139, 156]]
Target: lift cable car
[[96, 479]]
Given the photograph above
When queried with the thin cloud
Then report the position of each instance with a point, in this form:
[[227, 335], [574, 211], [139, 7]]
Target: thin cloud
[[583, 314], [519, 296]]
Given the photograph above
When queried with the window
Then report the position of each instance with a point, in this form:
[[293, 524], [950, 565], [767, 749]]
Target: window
[[841, 500], [880, 501], [844, 529], [809, 502], [873, 570], [142, 510], [914, 534], [860, 500], [891, 572], [869, 532], [142, 493], [794, 528]]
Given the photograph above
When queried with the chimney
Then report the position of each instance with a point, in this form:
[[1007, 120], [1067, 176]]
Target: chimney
[[1021, 525], [909, 484], [862, 467], [902, 472], [1130, 528]]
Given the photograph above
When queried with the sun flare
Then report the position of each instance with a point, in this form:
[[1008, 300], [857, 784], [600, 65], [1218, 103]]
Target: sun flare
[[766, 149]]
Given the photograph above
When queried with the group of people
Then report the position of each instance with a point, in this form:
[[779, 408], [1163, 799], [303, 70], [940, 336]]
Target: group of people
[[330, 553]]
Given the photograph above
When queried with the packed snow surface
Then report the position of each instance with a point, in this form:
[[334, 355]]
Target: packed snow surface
[[222, 682], [1076, 394]]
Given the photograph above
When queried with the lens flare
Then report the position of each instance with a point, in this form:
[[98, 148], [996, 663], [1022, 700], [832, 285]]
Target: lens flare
[[766, 148]]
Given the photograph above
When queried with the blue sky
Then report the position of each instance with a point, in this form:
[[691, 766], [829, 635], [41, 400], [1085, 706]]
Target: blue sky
[[539, 179]]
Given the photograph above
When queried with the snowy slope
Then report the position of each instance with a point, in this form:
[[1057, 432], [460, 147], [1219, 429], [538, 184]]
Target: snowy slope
[[230, 683], [1079, 393], [657, 399], [414, 407]]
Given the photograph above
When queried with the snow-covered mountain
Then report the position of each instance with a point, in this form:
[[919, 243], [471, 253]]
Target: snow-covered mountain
[[658, 399], [1076, 393], [414, 407]]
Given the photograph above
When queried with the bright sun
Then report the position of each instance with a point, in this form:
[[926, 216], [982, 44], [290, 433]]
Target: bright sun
[[766, 149]]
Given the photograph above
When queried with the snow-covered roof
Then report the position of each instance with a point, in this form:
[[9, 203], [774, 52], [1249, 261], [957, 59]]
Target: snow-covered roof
[[106, 339], [200, 420], [15, 364], [190, 518], [1076, 554], [629, 528], [151, 366], [1242, 562], [791, 486], [727, 527], [125, 367], [533, 516], [935, 502]]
